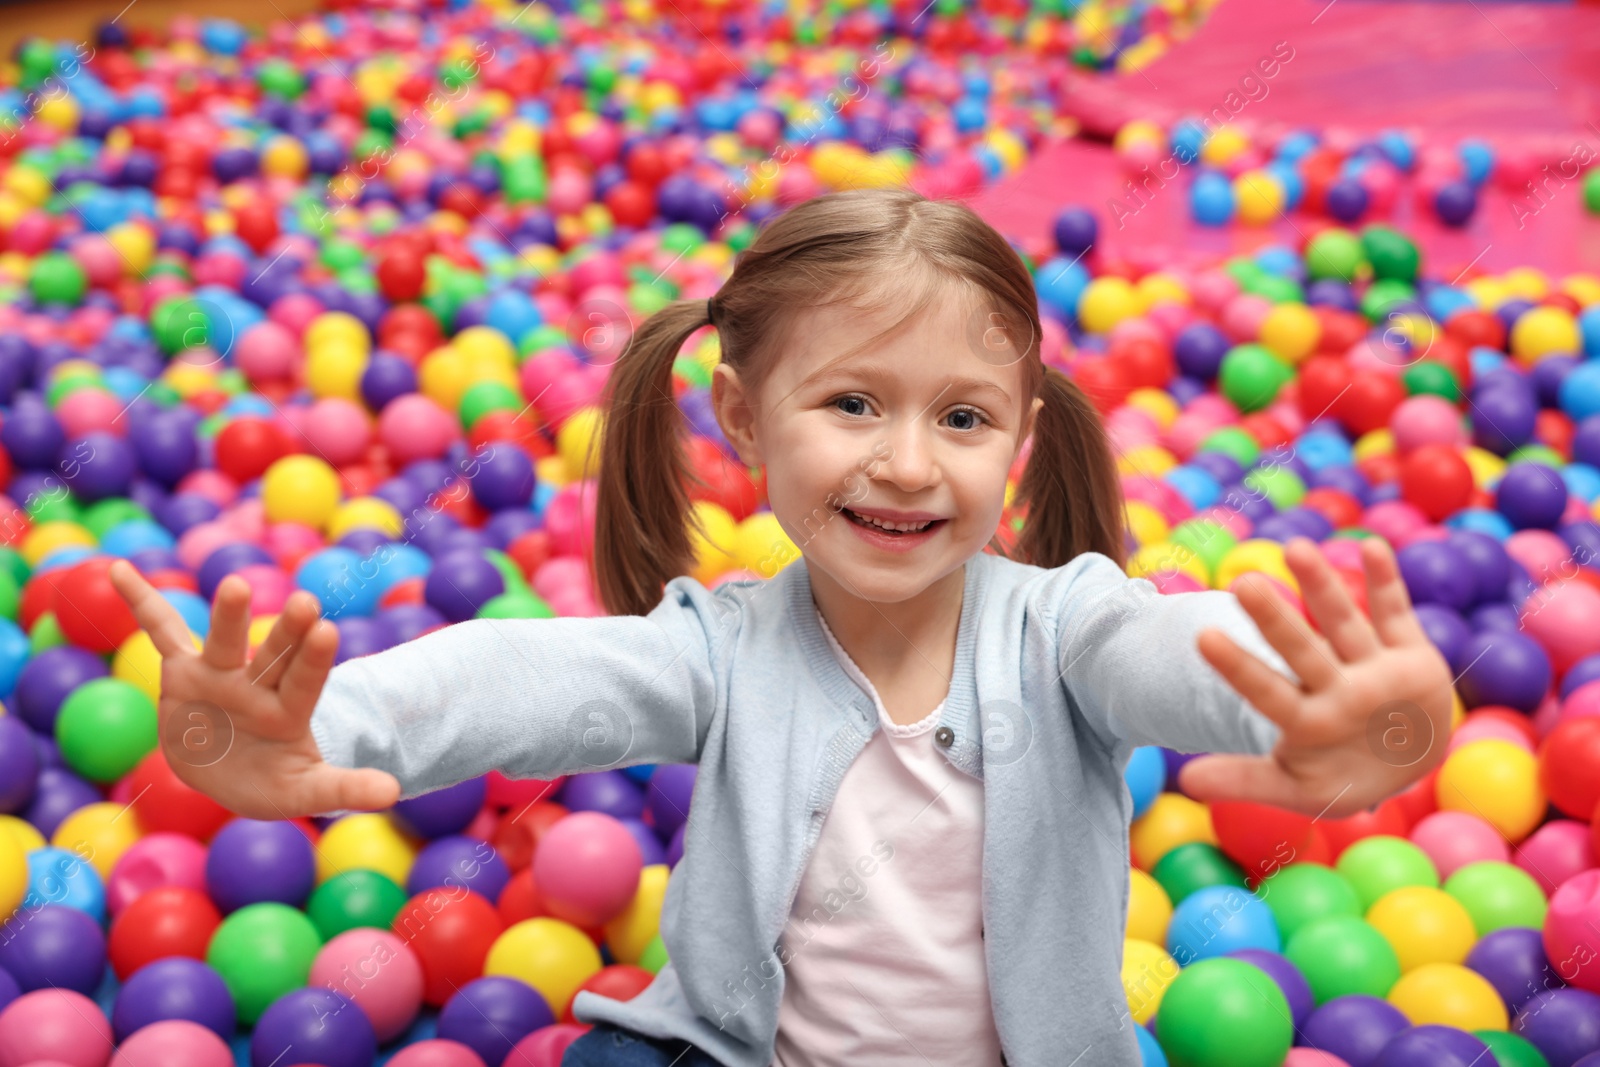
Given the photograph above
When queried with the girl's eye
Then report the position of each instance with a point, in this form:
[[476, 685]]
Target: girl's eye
[[976, 416], [852, 399]]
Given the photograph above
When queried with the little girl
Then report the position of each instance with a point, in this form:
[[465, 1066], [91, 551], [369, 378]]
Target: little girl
[[909, 837]]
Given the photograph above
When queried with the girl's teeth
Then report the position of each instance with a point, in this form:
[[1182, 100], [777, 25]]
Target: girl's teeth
[[896, 527]]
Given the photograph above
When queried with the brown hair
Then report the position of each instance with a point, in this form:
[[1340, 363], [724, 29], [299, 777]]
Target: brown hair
[[834, 250]]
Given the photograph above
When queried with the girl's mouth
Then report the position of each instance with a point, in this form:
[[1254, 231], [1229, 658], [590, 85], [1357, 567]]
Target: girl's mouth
[[896, 531]]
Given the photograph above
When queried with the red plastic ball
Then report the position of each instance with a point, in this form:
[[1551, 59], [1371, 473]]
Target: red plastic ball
[[248, 445], [1322, 381], [530, 551], [1370, 401], [1477, 329], [38, 596], [165, 804], [165, 921], [451, 932], [401, 275], [1147, 362], [1335, 505], [619, 981], [1554, 429], [1387, 819], [256, 224], [1569, 766], [631, 203], [519, 900], [726, 482], [1103, 381], [1437, 480], [1258, 837], [90, 612]]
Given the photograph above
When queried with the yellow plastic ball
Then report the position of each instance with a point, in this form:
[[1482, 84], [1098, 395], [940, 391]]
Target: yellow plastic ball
[[1291, 331], [13, 873], [1137, 133], [573, 443], [444, 376], [761, 546], [1526, 282], [1160, 288], [713, 549], [1448, 994], [1423, 925], [1147, 971], [552, 956], [1147, 525], [27, 184], [1544, 331], [1259, 196], [284, 157], [1148, 460], [259, 628], [1155, 402], [1224, 146], [60, 113], [26, 834], [1149, 908], [366, 513], [551, 470], [335, 369], [139, 664], [1256, 554], [1106, 302], [1458, 710], [631, 932], [365, 841], [100, 833], [1373, 443], [1164, 557], [300, 489], [46, 537], [1172, 820], [1584, 288], [485, 342], [1497, 781], [337, 326], [1486, 467]]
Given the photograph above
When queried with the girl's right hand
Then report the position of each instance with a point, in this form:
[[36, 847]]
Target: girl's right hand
[[238, 728]]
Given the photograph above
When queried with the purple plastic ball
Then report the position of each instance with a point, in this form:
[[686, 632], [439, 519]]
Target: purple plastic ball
[[1447, 630], [1531, 496], [386, 378], [320, 1025], [174, 988], [461, 583], [459, 861], [1075, 231], [668, 794], [611, 792], [1455, 202], [165, 446], [1583, 672], [1435, 1046], [675, 846], [251, 862], [409, 620], [1509, 669], [32, 435], [1513, 961], [1586, 441], [444, 811], [360, 636], [54, 945], [19, 765], [491, 1014], [60, 793], [1346, 199], [49, 678], [97, 465], [1563, 1024], [1355, 1028], [9, 990], [225, 560], [1432, 571], [1288, 977], [649, 844], [1490, 566], [1495, 618], [501, 476], [1198, 350], [1504, 418]]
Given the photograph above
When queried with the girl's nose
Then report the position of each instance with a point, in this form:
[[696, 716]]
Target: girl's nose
[[912, 464]]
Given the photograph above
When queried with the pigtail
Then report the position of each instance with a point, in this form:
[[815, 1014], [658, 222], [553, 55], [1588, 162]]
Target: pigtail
[[1070, 488], [643, 511]]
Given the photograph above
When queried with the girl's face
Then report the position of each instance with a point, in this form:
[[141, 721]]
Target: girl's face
[[919, 430]]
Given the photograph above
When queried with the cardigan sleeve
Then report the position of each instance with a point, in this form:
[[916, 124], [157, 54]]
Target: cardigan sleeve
[[531, 698], [1130, 664]]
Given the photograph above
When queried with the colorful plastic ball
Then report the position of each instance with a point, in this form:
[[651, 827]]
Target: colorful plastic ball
[[1376, 866], [1172, 820], [1423, 925], [1531, 495], [552, 956], [1211, 199], [493, 1013], [587, 868], [1435, 1045], [100, 832], [262, 952], [443, 811], [1223, 1011], [252, 861], [56, 876], [1446, 994], [1506, 669], [1543, 331], [165, 921], [1107, 301], [1146, 775], [366, 840], [1455, 202], [1497, 781], [1563, 1024], [54, 1026], [1497, 895], [1570, 770], [1514, 962], [1453, 839], [300, 489], [630, 935], [1302, 893], [1355, 1028], [501, 476], [1150, 1052], [1511, 1050], [320, 1025], [105, 728], [1568, 933], [173, 988], [458, 861], [56, 946], [1195, 866], [352, 899], [1217, 920], [437, 1053], [1436, 480], [1147, 972], [1555, 852], [451, 932], [166, 804], [1343, 956], [461, 582], [378, 972], [89, 611]]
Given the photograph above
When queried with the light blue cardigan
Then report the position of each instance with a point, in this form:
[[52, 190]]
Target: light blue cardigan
[[1059, 674]]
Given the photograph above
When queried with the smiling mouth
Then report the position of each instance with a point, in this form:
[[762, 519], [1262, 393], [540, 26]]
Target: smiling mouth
[[899, 529]]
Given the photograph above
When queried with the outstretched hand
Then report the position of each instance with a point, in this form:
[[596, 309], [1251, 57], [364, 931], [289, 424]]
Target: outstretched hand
[[1373, 709], [239, 729]]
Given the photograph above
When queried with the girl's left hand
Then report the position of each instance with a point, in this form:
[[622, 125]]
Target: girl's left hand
[[1372, 712]]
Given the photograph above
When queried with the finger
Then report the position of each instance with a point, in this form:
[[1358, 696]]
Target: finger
[[308, 669], [228, 638], [1267, 691], [270, 660], [1306, 652], [153, 612], [1387, 598], [1253, 779], [330, 788], [1348, 633]]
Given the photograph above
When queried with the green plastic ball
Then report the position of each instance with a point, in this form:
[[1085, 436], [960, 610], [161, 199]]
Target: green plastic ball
[[1498, 895], [1591, 191], [517, 605], [1209, 541], [1383, 295], [180, 323], [654, 956], [1381, 864], [484, 397], [1234, 442], [1281, 485], [1276, 288], [10, 595], [262, 951], [46, 633], [1428, 376], [1224, 1013], [56, 278], [1334, 254], [1342, 956], [55, 503], [510, 573], [1302, 893], [354, 898], [1251, 377], [1511, 1050], [281, 78], [1536, 453], [1392, 254], [105, 728], [1193, 866], [692, 371], [106, 515]]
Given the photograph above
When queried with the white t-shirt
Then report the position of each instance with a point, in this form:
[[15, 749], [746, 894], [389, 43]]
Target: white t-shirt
[[884, 942]]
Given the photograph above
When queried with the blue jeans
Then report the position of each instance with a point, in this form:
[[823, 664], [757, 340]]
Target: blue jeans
[[612, 1046]]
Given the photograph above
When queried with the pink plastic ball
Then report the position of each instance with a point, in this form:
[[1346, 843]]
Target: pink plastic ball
[[569, 518], [559, 575], [173, 1043], [267, 351], [200, 540], [290, 542], [269, 588], [1453, 839], [565, 395], [1575, 511], [587, 868], [1213, 406], [1231, 519], [1426, 419], [413, 427], [1170, 318], [154, 861], [88, 410], [545, 1046], [1481, 729], [1564, 617], [760, 130], [569, 190], [379, 972], [1555, 852], [438, 1052], [1312, 1057], [1243, 315], [1176, 581], [1569, 928], [338, 428], [211, 484], [247, 519], [295, 311], [54, 1024], [1543, 554], [1581, 702], [1214, 288], [1394, 520], [542, 370]]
